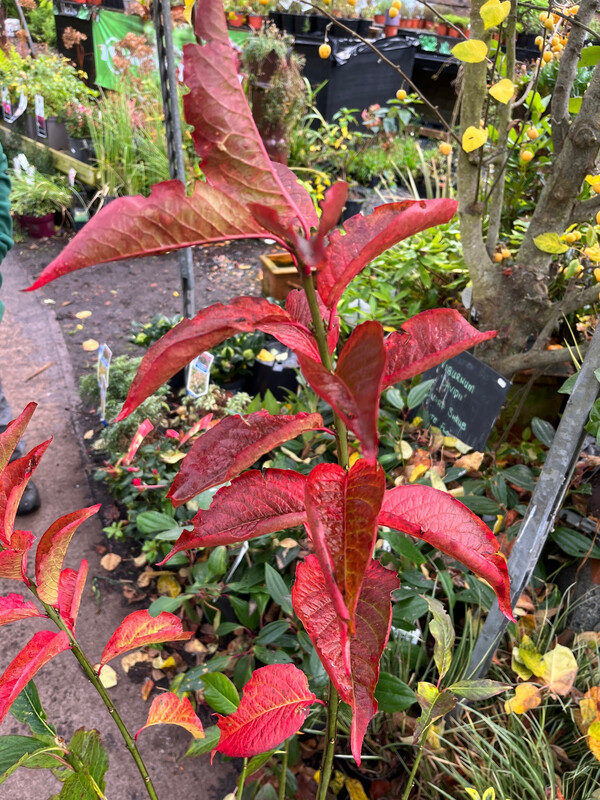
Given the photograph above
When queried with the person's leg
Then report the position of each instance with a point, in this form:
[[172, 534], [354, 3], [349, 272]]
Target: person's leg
[[30, 501]]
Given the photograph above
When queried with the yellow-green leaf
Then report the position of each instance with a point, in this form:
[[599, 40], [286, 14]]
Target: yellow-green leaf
[[503, 91], [550, 243], [471, 51], [527, 696], [493, 13], [473, 138], [530, 658], [560, 670]]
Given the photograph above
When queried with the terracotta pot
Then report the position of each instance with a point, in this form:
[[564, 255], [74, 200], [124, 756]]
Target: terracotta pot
[[390, 30], [236, 20], [379, 19], [255, 22], [428, 24], [453, 32], [38, 227], [441, 29]]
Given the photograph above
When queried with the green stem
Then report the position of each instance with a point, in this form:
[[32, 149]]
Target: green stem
[[242, 780], [95, 681], [284, 765], [329, 751], [341, 432], [415, 767]]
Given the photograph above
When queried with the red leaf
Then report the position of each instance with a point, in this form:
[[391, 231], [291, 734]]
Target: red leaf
[[355, 388], [144, 429], [13, 559], [332, 206], [233, 445], [139, 629], [168, 709], [449, 526], [43, 646], [296, 304], [315, 609], [9, 438], [274, 706], [342, 509], [366, 237], [428, 339], [70, 590], [51, 551], [254, 504], [13, 482], [14, 607], [298, 193], [208, 328]]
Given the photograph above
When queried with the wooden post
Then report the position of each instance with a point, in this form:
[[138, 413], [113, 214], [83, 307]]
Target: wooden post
[[545, 503]]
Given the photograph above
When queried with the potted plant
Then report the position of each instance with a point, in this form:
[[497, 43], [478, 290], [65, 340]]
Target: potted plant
[[277, 91], [35, 197], [235, 16], [378, 9], [256, 12], [77, 122], [234, 360]]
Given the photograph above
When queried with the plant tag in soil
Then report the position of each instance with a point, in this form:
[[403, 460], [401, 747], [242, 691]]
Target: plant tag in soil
[[104, 357], [40, 117], [465, 399], [198, 378]]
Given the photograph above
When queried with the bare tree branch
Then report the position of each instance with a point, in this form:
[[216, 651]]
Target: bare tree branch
[[573, 301], [567, 72], [533, 359], [585, 210]]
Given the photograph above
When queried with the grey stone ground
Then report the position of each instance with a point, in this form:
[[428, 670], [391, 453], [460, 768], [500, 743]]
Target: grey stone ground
[[30, 338]]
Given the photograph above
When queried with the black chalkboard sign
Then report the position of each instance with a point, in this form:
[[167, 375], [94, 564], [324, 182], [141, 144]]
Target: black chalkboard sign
[[466, 398]]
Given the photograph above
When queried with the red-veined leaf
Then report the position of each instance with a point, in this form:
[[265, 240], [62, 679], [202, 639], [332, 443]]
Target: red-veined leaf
[[452, 528], [52, 549], [298, 193], [144, 429], [210, 327], [366, 237], [355, 387], [274, 706], [70, 590], [14, 607], [139, 629], [296, 304], [231, 446], [342, 509], [43, 646], [332, 206], [426, 340], [9, 438], [13, 482], [315, 609], [168, 709], [254, 504], [13, 559]]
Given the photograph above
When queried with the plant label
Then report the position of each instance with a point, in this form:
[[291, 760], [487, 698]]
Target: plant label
[[466, 399], [6, 105], [40, 117], [198, 377], [104, 357]]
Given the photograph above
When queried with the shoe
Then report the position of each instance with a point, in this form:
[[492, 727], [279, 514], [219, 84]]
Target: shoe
[[30, 501]]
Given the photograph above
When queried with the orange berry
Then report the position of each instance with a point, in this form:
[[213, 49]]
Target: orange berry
[[555, 40], [393, 12], [396, 4], [401, 94], [324, 50], [547, 57], [598, 218], [498, 257], [351, 2], [577, 235], [539, 40], [570, 237], [505, 253], [526, 155], [445, 148], [596, 188], [573, 10], [549, 25], [543, 16], [555, 18], [532, 133]]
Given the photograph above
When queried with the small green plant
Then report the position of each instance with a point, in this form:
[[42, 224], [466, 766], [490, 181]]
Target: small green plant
[[146, 333], [35, 194]]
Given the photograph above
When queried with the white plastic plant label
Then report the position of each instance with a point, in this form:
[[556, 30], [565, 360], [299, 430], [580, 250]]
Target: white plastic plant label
[[198, 377], [40, 117]]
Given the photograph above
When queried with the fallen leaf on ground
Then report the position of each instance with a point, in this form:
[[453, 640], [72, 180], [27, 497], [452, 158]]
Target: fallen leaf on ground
[[110, 561], [136, 657], [527, 696], [108, 677], [83, 314], [147, 687], [89, 434], [90, 345]]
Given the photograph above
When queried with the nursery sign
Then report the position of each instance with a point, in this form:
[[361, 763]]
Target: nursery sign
[[466, 398]]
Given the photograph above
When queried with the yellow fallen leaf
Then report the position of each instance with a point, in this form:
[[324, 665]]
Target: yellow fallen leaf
[[355, 789], [418, 472], [168, 585], [354, 458], [473, 138], [560, 670], [110, 561], [108, 677], [503, 91], [471, 462], [172, 457], [265, 355], [90, 345], [527, 696], [131, 659], [404, 449], [288, 543], [244, 266], [89, 434], [471, 51], [493, 13], [164, 663], [83, 314]]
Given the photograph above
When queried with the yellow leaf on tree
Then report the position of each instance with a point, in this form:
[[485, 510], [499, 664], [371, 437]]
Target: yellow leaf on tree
[[593, 180], [494, 13], [473, 138], [187, 12], [527, 696], [471, 51], [560, 669], [503, 91]]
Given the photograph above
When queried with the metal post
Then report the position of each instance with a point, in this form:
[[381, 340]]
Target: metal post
[[168, 85], [545, 503]]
